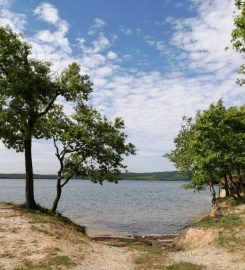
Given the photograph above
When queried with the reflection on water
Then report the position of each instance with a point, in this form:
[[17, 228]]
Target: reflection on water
[[130, 207]]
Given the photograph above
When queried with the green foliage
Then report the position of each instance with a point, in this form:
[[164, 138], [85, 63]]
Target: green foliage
[[28, 90], [28, 95], [185, 266], [88, 146], [48, 263], [43, 215], [91, 145], [148, 257], [231, 239], [211, 146], [238, 34], [227, 221]]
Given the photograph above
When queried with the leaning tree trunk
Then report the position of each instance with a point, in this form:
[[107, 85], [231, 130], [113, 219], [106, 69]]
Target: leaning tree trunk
[[29, 190], [58, 194], [59, 187]]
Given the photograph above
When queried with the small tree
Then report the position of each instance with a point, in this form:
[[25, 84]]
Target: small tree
[[28, 92], [211, 147], [88, 145]]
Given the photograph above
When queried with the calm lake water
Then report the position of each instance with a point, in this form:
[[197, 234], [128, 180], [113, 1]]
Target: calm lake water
[[130, 207]]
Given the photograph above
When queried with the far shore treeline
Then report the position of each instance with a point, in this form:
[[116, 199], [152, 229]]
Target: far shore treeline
[[152, 176]]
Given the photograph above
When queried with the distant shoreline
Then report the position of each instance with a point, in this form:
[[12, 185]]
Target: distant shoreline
[[154, 176]]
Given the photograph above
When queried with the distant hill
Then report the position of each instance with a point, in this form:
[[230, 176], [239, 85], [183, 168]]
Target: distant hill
[[153, 176], [163, 176]]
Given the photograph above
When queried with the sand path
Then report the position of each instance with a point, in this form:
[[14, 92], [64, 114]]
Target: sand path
[[36, 243]]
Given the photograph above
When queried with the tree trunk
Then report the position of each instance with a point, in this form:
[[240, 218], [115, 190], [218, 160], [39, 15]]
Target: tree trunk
[[240, 181], [227, 190], [234, 184], [29, 190], [58, 194], [213, 193]]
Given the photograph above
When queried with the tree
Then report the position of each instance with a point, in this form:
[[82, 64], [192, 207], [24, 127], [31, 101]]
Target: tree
[[28, 92], [88, 145], [238, 34], [210, 148]]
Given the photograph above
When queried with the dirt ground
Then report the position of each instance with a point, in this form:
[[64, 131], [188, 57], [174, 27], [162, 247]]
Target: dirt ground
[[37, 244], [220, 245]]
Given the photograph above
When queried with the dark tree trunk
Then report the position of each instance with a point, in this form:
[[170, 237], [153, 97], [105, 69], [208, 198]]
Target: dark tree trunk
[[234, 184], [227, 190], [29, 190], [213, 193], [58, 194], [240, 181]]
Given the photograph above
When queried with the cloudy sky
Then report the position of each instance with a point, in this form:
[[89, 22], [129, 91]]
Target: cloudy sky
[[151, 61]]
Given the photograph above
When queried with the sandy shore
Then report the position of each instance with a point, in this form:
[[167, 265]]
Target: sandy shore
[[26, 241]]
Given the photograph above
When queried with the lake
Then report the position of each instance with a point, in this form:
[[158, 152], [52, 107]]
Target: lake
[[126, 208]]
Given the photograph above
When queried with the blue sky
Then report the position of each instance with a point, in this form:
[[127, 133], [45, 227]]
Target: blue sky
[[132, 21], [151, 63]]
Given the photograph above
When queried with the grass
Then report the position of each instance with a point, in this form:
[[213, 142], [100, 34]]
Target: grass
[[46, 231], [53, 225], [184, 266], [50, 263], [43, 215], [229, 225], [150, 262], [58, 226], [149, 249], [227, 221], [149, 257], [231, 240]]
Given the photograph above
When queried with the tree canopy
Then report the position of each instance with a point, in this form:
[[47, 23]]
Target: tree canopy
[[29, 89], [29, 108], [88, 145], [211, 147]]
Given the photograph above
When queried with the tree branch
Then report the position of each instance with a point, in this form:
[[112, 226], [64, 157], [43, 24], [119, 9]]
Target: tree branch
[[66, 181], [60, 158], [56, 147], [49, 105]]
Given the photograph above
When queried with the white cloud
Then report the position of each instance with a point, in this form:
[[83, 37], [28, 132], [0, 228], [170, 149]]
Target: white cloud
[[159, 45], [50, 14], [204, 38], [5, 3], [97, 25], [101, 44], [126, 30], [151, 103], [111, 55], [15, 20]]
